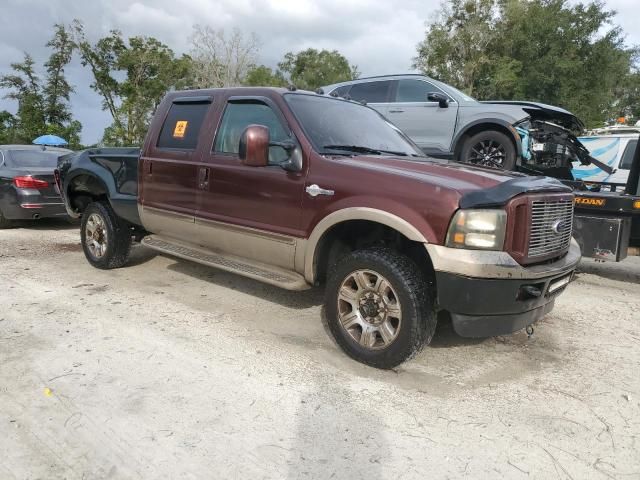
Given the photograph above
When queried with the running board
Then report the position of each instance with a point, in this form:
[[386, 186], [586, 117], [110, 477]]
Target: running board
[[258, 271]]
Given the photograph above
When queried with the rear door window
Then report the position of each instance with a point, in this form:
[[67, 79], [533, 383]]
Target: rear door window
[[371, 92], [414, 91], [182, 126], [627, 156], [238, 116], [341, 91]]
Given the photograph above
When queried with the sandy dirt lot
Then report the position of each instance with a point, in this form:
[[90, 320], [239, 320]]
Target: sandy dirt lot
[[166, 369]]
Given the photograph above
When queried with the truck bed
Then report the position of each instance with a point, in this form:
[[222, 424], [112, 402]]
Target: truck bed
[[115, 168]]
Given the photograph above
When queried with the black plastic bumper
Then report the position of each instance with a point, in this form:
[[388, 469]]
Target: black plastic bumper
[[489, 307]]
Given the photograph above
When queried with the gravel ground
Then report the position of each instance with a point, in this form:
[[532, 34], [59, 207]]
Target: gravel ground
[[166, 369]]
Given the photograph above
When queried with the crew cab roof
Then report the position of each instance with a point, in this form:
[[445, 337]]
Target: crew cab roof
[[230, 91]]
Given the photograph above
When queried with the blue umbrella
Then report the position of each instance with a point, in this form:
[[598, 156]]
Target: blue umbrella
[[51, 140]]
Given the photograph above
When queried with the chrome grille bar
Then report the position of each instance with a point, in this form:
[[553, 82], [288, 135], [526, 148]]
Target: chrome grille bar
[[551, 227]]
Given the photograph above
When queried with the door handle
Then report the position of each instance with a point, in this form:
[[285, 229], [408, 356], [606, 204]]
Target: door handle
[[203, 180], [148, 167], [396, 110]]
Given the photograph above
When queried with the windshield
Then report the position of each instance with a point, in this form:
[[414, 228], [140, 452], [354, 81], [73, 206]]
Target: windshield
[[32, 158], [342, 127]]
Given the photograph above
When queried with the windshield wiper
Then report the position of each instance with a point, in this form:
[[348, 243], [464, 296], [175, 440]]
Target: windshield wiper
[[361, 149]]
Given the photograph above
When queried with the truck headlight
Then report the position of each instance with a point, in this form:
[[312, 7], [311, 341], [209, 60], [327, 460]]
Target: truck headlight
[[477, 229]]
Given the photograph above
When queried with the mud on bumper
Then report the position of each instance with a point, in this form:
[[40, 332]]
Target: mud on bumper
[[488, 293]]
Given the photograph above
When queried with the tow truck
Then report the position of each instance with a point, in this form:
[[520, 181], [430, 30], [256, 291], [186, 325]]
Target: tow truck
[[607, 216]]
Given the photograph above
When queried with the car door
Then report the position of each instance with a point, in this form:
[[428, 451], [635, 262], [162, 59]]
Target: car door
[[375, 93], [428, 124], [251, 212], [168, 172]]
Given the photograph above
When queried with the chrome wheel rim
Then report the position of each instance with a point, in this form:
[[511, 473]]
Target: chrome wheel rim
[[369, 310], [96, 235], [488, 153]]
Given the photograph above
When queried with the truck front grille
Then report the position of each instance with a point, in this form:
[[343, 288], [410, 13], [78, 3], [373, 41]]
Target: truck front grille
[[551, 227]]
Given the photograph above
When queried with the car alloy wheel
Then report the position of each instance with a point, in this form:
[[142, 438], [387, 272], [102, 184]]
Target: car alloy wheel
[[488, 153], [96, 236], [369, 310]]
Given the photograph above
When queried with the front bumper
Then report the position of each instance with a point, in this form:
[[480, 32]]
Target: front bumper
[[489, 293]]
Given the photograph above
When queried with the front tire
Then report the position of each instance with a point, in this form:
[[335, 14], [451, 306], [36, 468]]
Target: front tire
[[489, 148], [106, 239], [378, 307]]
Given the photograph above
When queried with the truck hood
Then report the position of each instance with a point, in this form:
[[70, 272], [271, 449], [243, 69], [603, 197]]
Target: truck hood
[[475, 186], [549, 113]]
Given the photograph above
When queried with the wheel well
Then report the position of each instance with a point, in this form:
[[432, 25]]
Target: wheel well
[[83, 190], [346, 237], [480, 128]]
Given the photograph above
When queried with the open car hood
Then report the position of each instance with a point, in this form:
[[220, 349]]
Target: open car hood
[[549, 113]]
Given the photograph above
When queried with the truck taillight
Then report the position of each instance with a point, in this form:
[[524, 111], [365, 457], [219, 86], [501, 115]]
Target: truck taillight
[[29, 182]]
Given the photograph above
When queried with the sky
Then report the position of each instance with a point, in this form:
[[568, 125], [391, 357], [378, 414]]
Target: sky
[[379, 36]]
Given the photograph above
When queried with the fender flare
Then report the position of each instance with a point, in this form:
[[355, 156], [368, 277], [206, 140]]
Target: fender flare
[[353, 213], [498, 121]]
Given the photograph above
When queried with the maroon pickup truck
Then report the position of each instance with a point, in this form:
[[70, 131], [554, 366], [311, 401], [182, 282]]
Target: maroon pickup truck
[[297, 189]]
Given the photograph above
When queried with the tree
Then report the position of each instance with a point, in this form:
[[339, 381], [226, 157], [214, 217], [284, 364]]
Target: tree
[[43, 107], [262, 76], [7, 128], [455, 47], [132, 76], [553, 51], [310, 69], [221, 59]]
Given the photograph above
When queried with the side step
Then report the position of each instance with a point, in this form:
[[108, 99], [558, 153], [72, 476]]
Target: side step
[[242, 266]]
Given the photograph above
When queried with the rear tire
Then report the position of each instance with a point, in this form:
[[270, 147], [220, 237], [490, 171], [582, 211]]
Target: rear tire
[[489, 148], [378, 307], [4, 222], [106, 239]]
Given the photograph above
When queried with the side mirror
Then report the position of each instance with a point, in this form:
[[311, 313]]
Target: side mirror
[[254, 146], [443, 101]]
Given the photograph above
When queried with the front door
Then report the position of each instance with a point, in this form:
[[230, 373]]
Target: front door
[[430, 126], [250, 212], [168, 173]]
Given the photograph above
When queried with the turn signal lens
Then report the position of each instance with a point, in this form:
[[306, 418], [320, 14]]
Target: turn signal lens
[[29, 182], [636, 204]]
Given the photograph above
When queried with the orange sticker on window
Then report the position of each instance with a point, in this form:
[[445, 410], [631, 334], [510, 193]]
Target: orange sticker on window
[[180, 129]]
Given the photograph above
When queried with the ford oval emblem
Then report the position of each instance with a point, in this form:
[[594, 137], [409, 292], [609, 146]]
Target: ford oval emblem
[[557, 227]]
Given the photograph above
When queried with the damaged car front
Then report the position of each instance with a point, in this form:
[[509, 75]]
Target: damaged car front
[[548, 139]]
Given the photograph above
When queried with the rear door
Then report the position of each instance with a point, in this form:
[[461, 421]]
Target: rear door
[[169, 169], [251, 212], [376, 94], [425, 122]]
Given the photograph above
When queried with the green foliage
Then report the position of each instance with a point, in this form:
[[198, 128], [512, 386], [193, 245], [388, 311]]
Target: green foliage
[[43, 106], [311, 68], [132, 76], [262, 76], [553, 51]]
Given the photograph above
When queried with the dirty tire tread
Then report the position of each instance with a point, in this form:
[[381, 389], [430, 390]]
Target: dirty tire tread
[[510, 160], [119, 246], [412, 288]]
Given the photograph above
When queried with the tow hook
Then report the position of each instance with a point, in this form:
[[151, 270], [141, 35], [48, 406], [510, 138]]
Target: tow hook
[[529, 330]]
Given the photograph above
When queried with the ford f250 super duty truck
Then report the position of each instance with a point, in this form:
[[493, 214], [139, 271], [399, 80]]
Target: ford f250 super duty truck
[[298, 189]]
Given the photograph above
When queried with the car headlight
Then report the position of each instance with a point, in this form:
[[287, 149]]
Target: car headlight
[[477, 229]]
